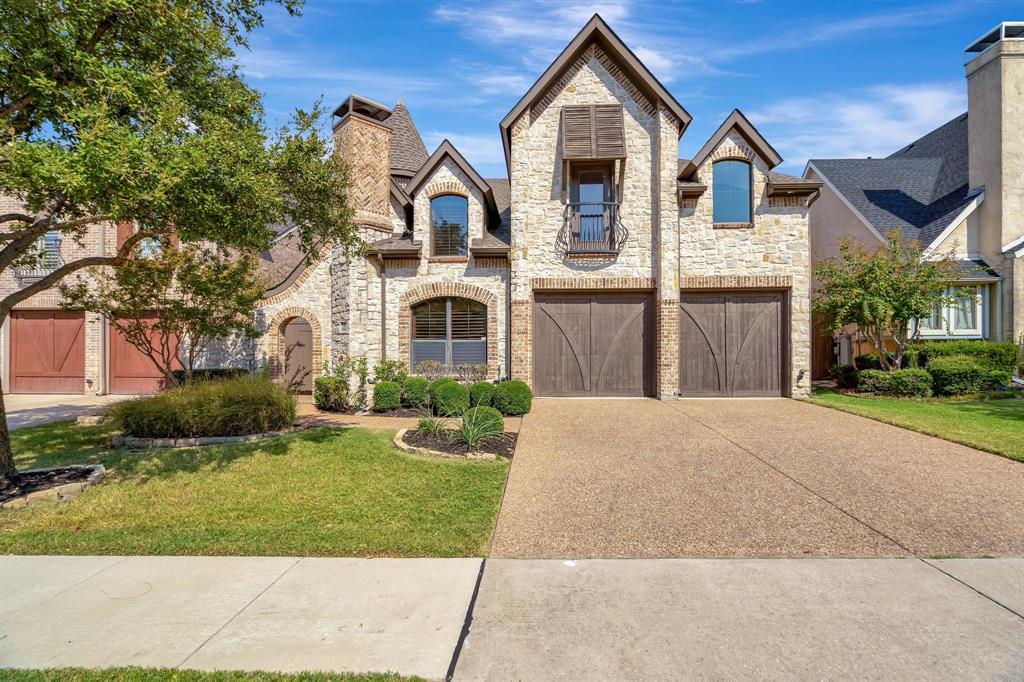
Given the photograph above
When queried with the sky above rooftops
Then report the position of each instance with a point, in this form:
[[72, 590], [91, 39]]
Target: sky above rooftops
[[819, 80]]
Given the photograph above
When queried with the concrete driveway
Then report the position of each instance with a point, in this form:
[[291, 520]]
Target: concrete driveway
[[35, 409], [747, 478]]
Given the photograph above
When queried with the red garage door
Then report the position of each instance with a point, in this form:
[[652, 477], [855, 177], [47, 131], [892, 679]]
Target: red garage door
[[47, 351], [131, 371]]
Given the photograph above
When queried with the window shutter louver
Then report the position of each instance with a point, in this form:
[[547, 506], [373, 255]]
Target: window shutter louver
[[608, 136], [576, 133], [593, 132]]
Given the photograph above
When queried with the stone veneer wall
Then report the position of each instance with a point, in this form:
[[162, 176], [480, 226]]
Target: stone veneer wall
[[309, 297], [774, 253]]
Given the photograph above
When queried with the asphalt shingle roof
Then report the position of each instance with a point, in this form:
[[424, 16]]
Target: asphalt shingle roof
[[918, 190], [408, 153]]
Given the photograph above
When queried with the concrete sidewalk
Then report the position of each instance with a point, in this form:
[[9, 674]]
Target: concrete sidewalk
[[532, 619], [35, 409]]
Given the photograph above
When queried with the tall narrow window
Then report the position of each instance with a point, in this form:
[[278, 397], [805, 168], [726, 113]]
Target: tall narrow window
[[452, 331], [731, 196], [449, 215]]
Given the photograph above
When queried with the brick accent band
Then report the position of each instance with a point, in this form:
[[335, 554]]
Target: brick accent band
[[438, 188], [584, 283], [521, 329], [668, 347], [737, 282]]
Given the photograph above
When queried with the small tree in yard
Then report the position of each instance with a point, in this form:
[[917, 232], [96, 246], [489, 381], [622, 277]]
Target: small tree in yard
[[881, 290], [171, 306], [134, 112]]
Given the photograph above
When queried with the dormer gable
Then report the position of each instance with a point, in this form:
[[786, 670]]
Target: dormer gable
[[739, 123]]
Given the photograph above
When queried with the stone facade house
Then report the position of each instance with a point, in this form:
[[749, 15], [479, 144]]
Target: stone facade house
[[603, 265], [957, 191]]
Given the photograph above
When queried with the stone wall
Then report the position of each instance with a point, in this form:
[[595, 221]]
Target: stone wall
[[309, 297], [776, 249]]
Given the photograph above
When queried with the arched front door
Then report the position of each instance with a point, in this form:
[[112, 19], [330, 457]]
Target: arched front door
[[297, 353]]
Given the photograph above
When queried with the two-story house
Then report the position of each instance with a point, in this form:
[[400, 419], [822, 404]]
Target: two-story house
[[957, 191], [603, 265]]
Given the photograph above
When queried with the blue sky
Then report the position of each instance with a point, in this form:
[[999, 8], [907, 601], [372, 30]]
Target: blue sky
[[828, 79]]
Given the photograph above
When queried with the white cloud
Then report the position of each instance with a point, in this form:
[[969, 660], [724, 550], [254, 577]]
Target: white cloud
[[873, 121]]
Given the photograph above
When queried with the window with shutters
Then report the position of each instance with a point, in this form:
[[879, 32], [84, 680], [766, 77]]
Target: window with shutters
[[449, 215], [731, 196], [452, 331], [593, 132]]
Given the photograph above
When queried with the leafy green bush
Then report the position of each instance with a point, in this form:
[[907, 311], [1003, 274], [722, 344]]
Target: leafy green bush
[[390, 370], [331, 393], [481, 393], [479, 423], [870, 361], [513, 397], [900, 382], [211, 373], [450, 398], [387, 395], [433, 385], [414, 392], [231, 407], [431, 425], [845, 376], [963, 374], [1002, 355]]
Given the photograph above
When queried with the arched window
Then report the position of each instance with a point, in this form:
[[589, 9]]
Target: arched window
[[449, 215], [452, 331], [730, 183]]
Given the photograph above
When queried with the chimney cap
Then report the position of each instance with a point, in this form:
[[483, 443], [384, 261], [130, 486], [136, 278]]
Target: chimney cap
[[1007, 30], [364, 106]]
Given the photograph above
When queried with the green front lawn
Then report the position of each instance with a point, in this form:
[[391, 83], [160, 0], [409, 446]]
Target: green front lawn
[[318, 492], [993, 425], [168, 675]]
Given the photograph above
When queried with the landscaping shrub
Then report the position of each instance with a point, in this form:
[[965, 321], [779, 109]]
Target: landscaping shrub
[[432, 386], [513, 397], [431, 369], [869, 361], [450, 398], [390, 370], [915, 383], [231, 407], [1003, 355], [387, 395], [414, 392], [481, 393], [472, 372], [430, 425], [331, 393], [845, 376], [479, 423], [963, 374], [211, 373]]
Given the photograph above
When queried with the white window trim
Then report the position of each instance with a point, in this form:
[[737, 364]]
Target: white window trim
[[949, 312]]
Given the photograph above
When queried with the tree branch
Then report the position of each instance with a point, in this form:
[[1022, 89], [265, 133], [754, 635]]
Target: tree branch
[[21, 217]]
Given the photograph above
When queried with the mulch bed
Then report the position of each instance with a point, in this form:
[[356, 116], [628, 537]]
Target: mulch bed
[[502, 446], [23, 484], [400, 412]]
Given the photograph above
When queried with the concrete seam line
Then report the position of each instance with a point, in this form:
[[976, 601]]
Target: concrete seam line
[[70, 587], [804, 486], [466, 624], [972, 587], [237, 613]]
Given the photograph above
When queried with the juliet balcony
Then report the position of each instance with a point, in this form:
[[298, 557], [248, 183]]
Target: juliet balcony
[[593, 229]]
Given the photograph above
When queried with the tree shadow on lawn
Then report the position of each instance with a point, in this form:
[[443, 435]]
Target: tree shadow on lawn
[[66, 443]]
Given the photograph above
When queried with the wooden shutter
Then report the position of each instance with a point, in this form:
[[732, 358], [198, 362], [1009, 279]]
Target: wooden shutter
[[593, 132]]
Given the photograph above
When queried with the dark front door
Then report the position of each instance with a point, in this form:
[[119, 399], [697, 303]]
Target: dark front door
[[731, 344], [298, 336], [47, 351], [593, 345]]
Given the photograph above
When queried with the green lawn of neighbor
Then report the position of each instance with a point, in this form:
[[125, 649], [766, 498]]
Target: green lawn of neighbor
[[318, 492], [993, 425], [168, 675]]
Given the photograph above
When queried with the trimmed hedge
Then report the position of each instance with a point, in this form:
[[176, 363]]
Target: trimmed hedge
[[211, 373], [231, 407], [513, 397], [433, 385], [486, 418], [481, 393], [390, 370], [387, 395], [901, 382], [962, 374], [869, 361], [414, 392], [1004, 355], [845, 376], [450, 398], [331, 393]]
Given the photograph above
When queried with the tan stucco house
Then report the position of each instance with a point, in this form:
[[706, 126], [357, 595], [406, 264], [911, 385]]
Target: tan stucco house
[[959, 191], [603, 265]]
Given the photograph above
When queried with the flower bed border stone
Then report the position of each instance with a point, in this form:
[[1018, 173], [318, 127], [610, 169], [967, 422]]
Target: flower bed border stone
[[58, 494], [121, 441], [400, 443]]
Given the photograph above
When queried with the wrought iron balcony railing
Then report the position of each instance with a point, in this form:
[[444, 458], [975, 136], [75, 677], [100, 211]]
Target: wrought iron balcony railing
[[593, 228]]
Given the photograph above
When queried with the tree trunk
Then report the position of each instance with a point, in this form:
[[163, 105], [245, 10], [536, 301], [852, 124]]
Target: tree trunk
[[7, 469]]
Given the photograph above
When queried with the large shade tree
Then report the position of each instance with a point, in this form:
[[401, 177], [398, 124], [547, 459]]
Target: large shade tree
[[134, 112]]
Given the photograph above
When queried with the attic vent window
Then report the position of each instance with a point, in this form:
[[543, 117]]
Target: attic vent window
[[593, 132]]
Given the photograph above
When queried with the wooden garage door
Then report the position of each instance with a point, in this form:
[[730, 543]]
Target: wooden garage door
[[593, 345], [731, 344], [131, 371], [47, 351]]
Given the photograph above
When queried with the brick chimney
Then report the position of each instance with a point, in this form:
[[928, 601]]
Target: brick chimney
[[362, 136]]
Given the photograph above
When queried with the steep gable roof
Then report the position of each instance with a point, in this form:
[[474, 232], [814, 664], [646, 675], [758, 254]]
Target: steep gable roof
[[446, 150], [595, 30], [918, 190], [738, 122], [408, 153]]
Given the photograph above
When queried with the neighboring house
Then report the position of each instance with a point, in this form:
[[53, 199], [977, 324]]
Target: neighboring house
[[959, 191], [603, 265]]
